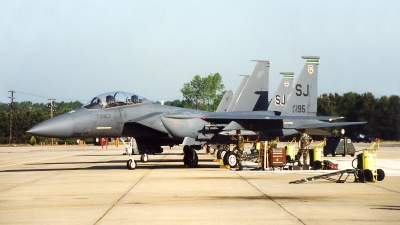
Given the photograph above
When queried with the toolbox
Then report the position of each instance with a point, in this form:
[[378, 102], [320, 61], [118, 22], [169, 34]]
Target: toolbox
[[276, 157]]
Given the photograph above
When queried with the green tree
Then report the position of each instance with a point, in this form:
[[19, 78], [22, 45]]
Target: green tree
[[176, 102], [32, 141], [203, 93]]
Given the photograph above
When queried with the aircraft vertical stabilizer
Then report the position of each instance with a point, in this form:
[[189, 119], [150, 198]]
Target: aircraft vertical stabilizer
[[282, 92], [225, 101], [237, 93], [250, 100], [303, 98]]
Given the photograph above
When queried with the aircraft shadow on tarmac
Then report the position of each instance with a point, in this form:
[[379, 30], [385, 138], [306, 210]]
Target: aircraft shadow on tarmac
[[387, 207], [115, 165]]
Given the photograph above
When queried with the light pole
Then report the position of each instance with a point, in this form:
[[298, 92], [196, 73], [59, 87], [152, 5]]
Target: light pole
[[11, 114], [51, 112], [345, 143]]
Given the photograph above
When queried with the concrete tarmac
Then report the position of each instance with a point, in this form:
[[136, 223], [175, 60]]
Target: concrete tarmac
[[91, 185]]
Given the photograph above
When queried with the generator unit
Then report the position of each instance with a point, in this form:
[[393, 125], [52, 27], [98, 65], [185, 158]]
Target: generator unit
[[366, 164]]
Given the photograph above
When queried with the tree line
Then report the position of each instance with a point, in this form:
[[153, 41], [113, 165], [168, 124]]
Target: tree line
[[27, 114], [382, 114]]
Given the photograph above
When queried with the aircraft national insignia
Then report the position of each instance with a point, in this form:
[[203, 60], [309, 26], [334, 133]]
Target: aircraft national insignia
[[310, 69], [286, 83], [259, 74]]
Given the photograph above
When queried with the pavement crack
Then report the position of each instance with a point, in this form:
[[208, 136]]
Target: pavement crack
[[115, 203], [270, 198]]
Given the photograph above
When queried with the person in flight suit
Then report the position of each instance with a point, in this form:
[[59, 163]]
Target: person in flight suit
[[304, 142]]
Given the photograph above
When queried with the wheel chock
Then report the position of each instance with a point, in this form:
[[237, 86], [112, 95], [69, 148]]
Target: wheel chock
[[225, 167]]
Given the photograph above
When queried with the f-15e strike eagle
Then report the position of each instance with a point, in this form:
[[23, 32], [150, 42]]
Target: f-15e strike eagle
[[123, 114]]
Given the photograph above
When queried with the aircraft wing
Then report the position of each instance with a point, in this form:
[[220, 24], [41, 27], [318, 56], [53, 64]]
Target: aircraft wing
[[262, 116], [252, 115]]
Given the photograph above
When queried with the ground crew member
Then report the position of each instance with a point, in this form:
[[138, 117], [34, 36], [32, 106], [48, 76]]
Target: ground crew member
[[304, 142], [240, 147]]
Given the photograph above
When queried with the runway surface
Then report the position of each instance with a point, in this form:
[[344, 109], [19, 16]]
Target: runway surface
[[91, 185]]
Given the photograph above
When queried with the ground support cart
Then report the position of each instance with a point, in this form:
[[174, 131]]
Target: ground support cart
[[290, 155], [366, 164], [316, 156]]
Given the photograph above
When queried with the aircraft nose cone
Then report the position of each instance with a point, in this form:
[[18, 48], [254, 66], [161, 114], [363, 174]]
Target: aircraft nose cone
[[57, 127]]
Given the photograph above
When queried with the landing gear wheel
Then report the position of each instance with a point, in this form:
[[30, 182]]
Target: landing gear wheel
[[221, 154], [381, 174], [191, 159], [131, 164], [230, 159], [368, 175], [144, 158], [211, 150]]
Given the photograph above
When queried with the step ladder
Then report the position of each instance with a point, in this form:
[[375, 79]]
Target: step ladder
[[329, 176]]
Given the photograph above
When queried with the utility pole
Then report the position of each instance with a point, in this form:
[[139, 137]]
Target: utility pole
[[11, 114], [197, 101], [51, 113]]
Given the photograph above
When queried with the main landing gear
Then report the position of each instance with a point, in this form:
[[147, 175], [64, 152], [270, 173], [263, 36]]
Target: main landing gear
[[190, 157]]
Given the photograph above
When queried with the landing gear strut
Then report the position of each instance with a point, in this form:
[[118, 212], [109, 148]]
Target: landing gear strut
[[130, 149]]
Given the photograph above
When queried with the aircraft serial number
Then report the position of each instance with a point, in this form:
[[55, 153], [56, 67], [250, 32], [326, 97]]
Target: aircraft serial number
[[299, 108]]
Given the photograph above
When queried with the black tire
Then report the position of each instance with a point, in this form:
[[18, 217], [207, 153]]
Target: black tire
[[333, 154], [191, 159], [144, 158], [221, 153], [211, 150], [360, 175], [131, 164], [317, 165], [369, 176], [381, 174], [230, 159]]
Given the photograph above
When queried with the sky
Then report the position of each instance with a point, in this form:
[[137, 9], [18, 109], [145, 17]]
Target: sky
[[75, 50]]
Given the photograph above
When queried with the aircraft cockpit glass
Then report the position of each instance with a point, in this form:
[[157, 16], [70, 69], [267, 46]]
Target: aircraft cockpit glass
[[114, 99]]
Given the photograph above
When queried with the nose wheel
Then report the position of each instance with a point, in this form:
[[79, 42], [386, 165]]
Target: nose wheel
[[131, 164]]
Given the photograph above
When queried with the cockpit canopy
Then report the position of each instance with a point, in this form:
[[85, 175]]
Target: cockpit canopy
[[114, 99]]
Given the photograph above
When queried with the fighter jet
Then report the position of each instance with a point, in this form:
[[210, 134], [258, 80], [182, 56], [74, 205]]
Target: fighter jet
[[123, 114]]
